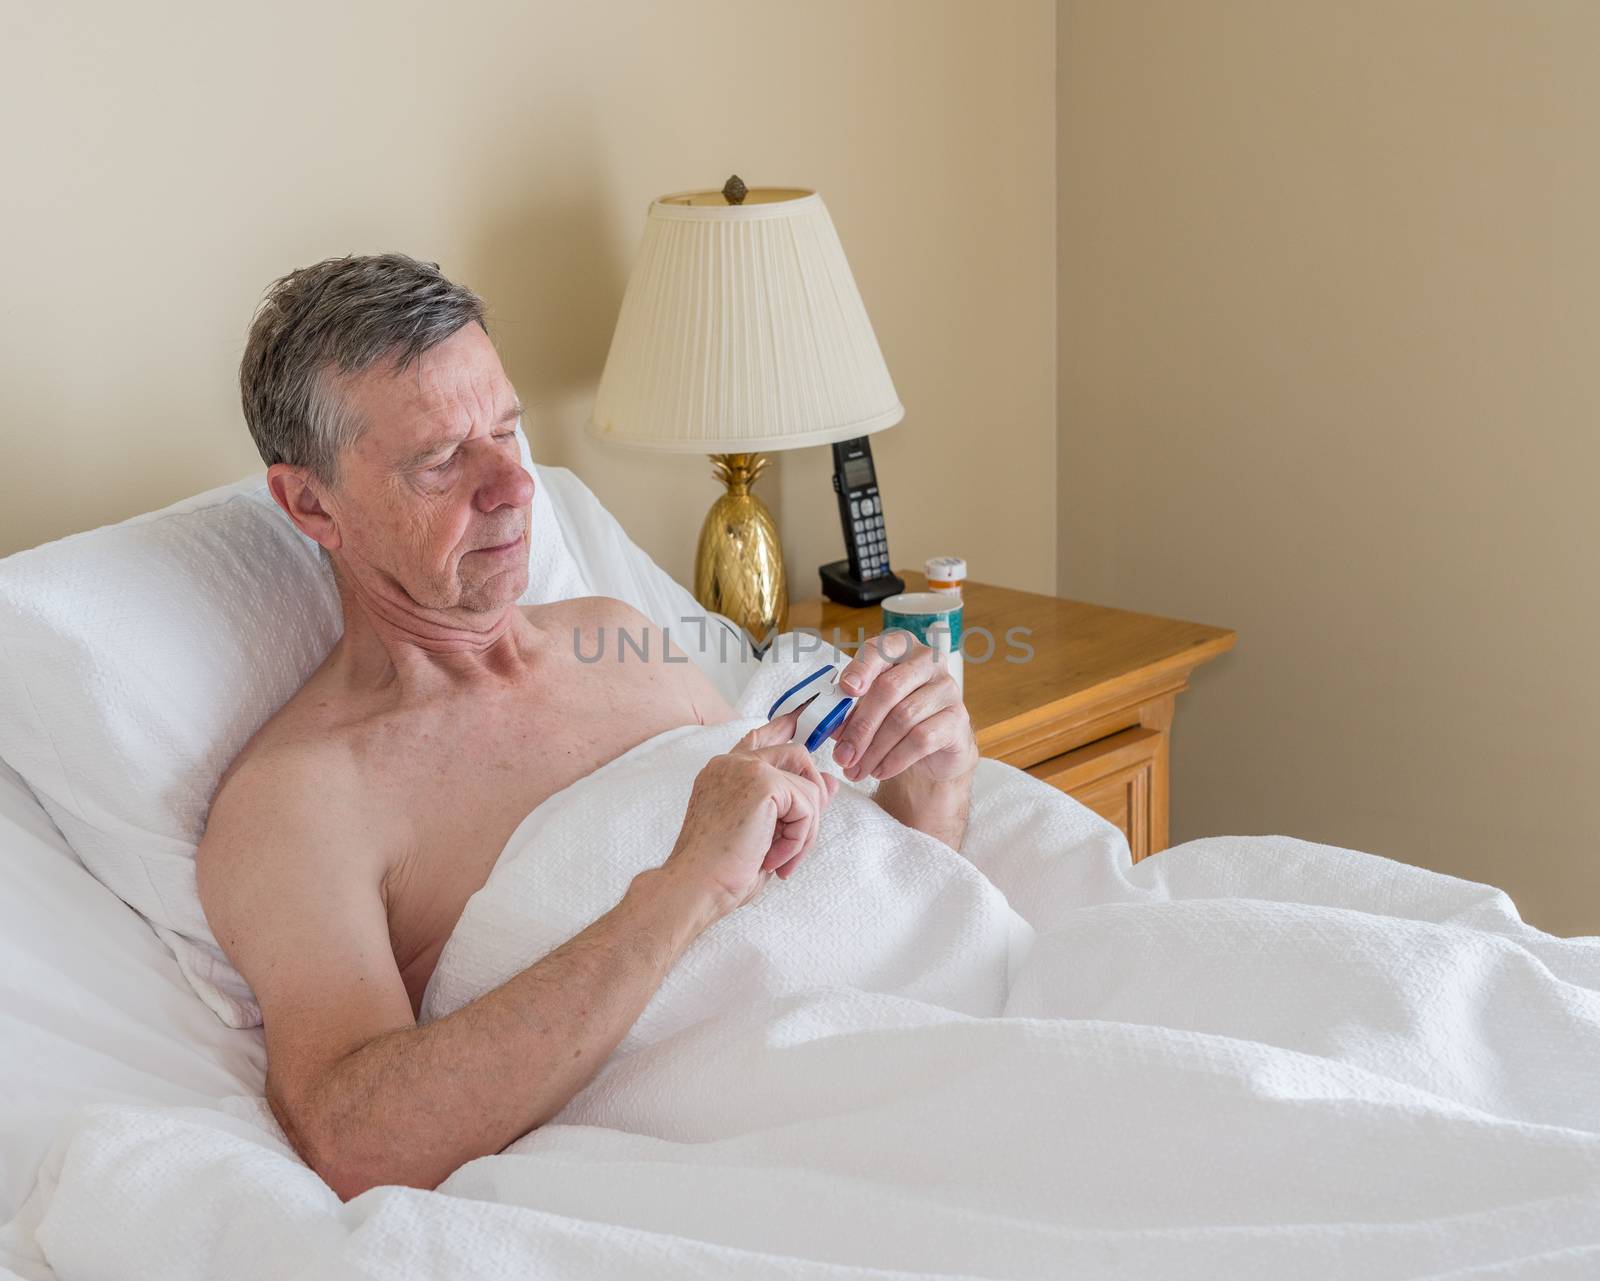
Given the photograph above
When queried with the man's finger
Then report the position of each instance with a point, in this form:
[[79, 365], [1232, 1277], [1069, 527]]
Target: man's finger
[[941, 730], [884, 728], [862, 727], [791, 758], [787, 788], [878, 652], [787, 870], [780, 729], [787, 841], [810, 798]]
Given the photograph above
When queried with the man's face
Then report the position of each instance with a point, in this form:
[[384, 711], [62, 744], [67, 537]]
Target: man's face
[[432, 501]]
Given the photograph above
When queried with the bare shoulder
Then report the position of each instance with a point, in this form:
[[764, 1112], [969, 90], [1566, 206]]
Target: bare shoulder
[[290, 874], [604, 629], [289, 798], [588, 622], [283, 794], [584, 611]]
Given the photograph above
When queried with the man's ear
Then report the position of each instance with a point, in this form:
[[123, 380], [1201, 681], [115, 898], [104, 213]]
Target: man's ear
[[296, 491]]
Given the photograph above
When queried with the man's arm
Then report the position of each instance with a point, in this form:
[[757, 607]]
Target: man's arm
[[365, 1095], [938, 807]]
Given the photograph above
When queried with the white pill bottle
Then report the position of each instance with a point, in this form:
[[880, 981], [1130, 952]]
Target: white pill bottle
[[945, 574]]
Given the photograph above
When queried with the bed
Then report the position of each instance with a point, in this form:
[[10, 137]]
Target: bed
[[1242, 1057]]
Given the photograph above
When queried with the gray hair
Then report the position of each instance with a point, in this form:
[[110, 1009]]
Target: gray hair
[[340, 316]]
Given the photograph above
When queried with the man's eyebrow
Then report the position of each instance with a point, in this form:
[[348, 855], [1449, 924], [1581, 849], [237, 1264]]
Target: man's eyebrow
[[510, 416]]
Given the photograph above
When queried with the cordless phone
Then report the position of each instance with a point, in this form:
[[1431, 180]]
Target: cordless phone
[[865, 576]]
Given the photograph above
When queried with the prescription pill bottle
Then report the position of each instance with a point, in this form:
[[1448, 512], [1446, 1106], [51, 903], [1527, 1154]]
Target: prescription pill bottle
[[945, 574]]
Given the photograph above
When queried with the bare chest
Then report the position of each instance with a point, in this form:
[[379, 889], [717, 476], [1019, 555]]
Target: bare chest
[[450, 785]]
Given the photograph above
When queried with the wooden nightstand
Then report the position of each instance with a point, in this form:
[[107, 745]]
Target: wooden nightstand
[[1090, 711]]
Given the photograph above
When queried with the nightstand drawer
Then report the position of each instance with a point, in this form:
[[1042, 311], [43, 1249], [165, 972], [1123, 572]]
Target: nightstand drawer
[[1113, 776]]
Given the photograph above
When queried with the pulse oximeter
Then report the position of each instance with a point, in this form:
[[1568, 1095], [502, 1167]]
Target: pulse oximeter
[[825, 706]]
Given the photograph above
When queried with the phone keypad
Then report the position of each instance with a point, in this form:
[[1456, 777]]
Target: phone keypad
[[872, 549]]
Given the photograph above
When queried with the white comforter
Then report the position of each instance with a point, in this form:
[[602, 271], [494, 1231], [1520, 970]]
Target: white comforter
[[1244, 1057]]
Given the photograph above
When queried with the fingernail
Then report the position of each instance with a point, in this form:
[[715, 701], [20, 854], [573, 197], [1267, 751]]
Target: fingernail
[[850, 684], [844, 754]]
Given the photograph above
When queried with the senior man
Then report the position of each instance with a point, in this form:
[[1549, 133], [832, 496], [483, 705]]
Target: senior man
[[347, 836]]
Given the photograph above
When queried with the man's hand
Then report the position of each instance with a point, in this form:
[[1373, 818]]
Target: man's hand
[[753, 813], [910, 730]]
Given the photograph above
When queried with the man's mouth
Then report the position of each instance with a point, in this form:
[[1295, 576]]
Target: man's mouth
[[502, 547]]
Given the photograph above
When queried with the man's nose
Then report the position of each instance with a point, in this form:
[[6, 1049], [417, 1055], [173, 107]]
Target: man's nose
[[504, 483]]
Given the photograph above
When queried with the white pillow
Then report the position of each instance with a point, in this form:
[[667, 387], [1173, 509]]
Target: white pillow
[[137, 659]]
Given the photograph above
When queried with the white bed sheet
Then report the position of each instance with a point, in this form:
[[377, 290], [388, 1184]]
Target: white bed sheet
[[1247, 1057], [92, 1006], [1487, 1028]]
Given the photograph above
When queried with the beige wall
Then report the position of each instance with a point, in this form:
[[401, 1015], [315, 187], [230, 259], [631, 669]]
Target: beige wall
[[1330, 374], [178, 157], [1329, 310]]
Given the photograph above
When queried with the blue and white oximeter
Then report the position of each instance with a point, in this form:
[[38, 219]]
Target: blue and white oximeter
[[825, 706]]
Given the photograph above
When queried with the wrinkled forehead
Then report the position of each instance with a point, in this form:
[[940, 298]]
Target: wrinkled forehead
[[454, 389]]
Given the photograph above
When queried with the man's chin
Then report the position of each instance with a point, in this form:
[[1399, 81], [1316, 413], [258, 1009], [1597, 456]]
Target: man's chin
[[496, 592]]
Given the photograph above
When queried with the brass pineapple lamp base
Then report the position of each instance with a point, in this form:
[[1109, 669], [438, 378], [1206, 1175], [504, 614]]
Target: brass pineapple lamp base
[[738, 569]]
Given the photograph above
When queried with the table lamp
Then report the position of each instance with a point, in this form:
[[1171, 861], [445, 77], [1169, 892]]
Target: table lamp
[[741, 331]]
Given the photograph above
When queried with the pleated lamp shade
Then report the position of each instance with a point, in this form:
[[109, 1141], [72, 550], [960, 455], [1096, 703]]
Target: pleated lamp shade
[[741, 331]]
